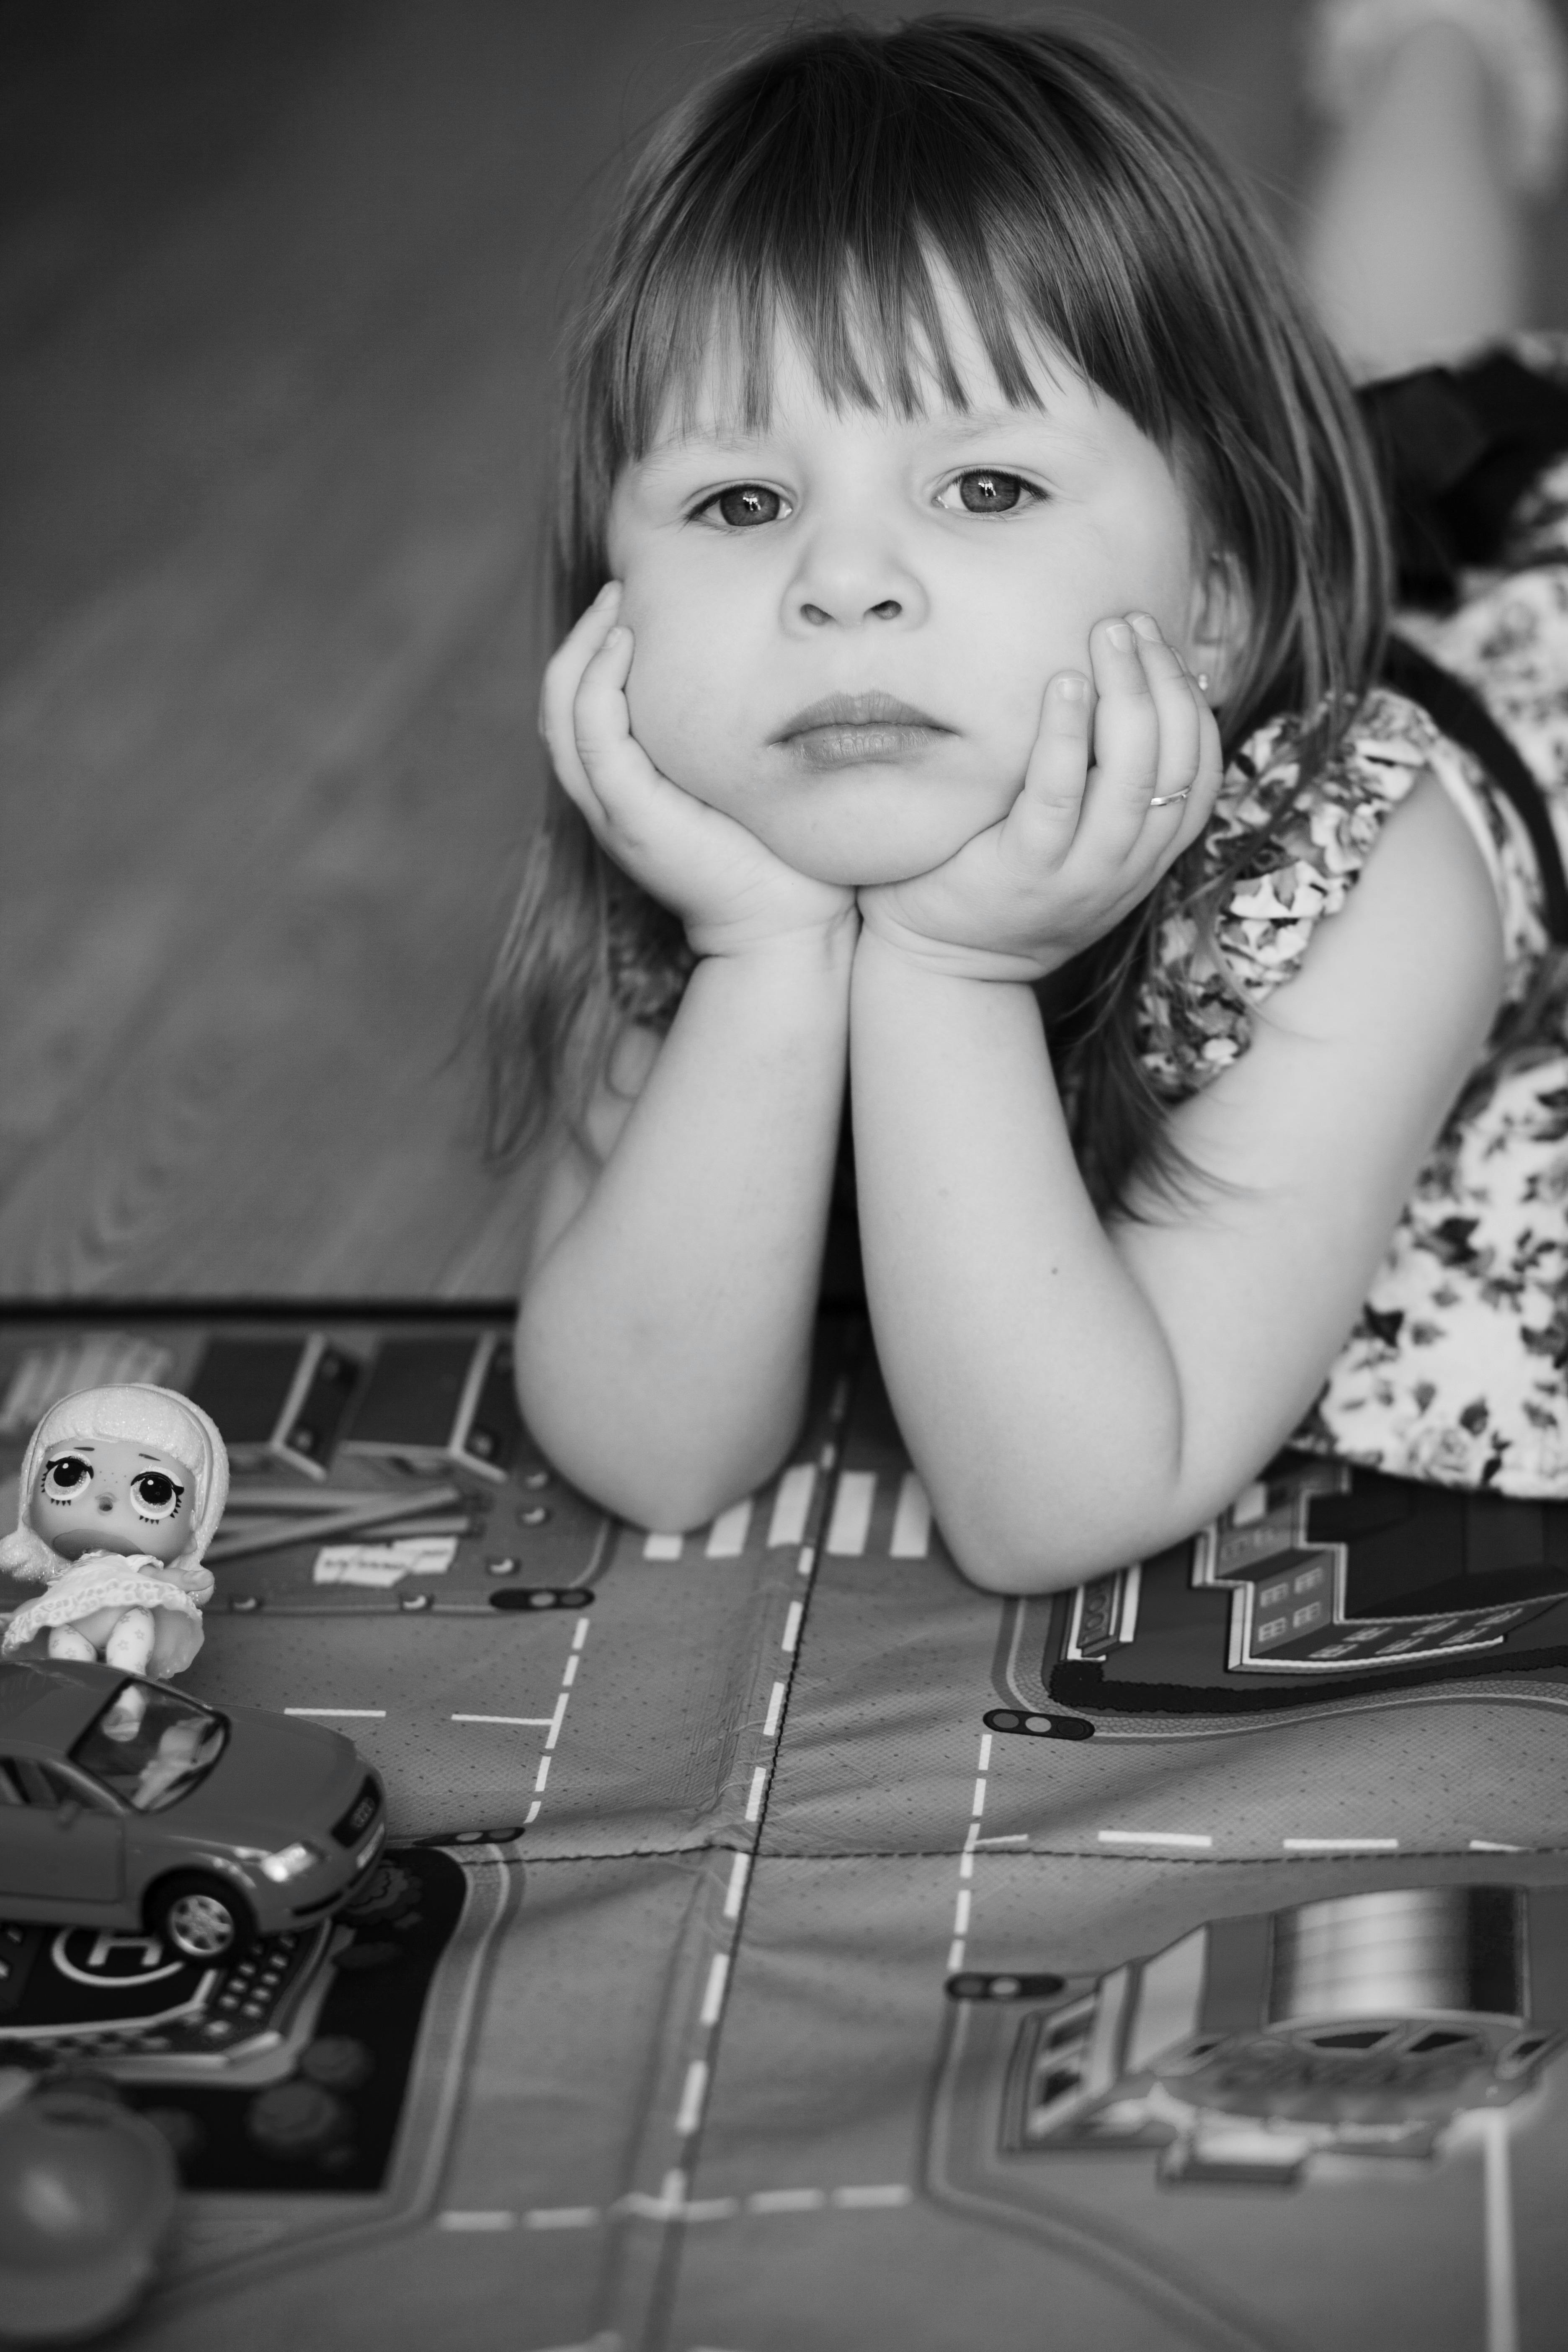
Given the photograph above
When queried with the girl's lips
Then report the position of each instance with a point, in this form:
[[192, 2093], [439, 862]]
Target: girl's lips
[[848, 730], [847, 747]]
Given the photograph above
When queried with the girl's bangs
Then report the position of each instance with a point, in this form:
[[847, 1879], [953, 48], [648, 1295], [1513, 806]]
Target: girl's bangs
[[875, 327]]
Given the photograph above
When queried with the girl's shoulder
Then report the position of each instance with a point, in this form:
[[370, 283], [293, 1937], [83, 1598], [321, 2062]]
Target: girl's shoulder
[[1291, 834]]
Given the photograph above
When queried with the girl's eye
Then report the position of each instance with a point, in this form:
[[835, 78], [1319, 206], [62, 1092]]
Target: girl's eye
[[985, 489], [747, 504], [68, 1477], [156, 1496]]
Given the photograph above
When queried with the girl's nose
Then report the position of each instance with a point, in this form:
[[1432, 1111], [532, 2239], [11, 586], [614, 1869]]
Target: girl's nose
[[105, 1502], [847, 580]]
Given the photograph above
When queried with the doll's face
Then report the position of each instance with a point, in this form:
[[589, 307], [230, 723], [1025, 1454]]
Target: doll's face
[[111, 1493]]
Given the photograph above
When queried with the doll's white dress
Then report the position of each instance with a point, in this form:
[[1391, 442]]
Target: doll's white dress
[[107, 1580]]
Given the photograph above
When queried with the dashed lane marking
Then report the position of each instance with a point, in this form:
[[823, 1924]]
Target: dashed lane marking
[[672, 2204], [1339, 1846], [1199, 1838], [659, 1546], [523, 1722], [552, 1724], [713, 1992], [966, 1862], [739, 1870], [347, 1713], [693, 2093], [754, 1796], [792, 1627], [775, 1706], [787, 2201]]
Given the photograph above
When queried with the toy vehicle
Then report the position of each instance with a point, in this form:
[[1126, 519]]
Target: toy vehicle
[[205, 1829]]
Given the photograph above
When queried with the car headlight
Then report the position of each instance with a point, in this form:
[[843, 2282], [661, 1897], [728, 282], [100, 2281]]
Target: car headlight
[[290, 1862]]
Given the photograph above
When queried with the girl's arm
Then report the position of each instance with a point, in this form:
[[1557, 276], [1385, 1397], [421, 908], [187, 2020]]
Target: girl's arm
[[1076, 1396], [664, 1339], [663, 1342]]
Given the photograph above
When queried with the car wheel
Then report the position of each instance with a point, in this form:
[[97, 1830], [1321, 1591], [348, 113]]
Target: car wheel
[[200, 1918]]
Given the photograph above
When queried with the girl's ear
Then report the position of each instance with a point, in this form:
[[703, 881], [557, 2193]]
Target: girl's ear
[[1221, 623]]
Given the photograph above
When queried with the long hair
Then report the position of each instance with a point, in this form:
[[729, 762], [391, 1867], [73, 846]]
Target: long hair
[[826, 187]]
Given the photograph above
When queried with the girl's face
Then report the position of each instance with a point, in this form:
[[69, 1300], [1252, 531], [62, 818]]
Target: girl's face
[[845, 622], [111, 1493]]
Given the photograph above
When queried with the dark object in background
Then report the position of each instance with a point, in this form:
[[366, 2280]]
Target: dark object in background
[[87, 2194], [427, 1402], [277, 1400]]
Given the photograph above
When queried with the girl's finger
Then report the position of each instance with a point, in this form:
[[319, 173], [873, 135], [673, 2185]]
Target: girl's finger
[[1176, 700], [601, 723], [1126, 743], [1045, 816], [1195, 811], [563, 677]]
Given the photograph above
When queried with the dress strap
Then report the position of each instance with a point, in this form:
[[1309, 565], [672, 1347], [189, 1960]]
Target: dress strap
[[1465, 720]]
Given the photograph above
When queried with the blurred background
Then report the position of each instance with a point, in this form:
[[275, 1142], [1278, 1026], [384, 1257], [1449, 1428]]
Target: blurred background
[[279, 290]]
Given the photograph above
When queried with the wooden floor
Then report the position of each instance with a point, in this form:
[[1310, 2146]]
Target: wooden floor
[[278, 289]]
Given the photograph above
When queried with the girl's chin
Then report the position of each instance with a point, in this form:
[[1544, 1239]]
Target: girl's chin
[[859, 855]]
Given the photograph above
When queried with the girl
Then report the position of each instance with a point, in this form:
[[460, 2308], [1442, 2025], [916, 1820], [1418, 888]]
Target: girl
[[977, 584]]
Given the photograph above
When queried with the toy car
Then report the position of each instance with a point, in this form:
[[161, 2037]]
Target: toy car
[[205, 1829]]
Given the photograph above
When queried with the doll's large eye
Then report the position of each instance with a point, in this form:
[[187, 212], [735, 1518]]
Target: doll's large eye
[[156, 1496], [66, 1477]]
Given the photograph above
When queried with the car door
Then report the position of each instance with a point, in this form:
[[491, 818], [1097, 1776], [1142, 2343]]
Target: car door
[[62, 1851]]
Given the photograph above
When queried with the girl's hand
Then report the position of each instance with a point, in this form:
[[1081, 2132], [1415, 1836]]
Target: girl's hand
[[730, 891], [1081, 843]]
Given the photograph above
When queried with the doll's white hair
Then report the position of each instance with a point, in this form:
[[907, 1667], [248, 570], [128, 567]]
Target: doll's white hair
[[147, 1416]]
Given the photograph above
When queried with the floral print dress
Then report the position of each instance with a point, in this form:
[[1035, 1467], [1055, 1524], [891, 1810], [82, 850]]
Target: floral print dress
[[1456, 1370]]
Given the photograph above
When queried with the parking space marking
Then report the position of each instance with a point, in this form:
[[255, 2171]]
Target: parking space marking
[[658, 1547], [727, 1536], [791, 1504], [911, 1521], [851, 1520]]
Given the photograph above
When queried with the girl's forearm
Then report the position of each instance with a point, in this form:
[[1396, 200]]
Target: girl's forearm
[[664, 1344], [1029, 1374]]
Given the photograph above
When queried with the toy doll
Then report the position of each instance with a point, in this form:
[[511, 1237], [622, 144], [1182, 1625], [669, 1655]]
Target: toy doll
[[120, 1492]]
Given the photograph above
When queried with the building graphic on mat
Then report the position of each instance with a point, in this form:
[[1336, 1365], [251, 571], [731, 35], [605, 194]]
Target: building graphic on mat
[[1370, 2025]]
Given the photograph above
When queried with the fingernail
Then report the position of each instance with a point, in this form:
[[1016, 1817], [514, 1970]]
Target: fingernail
[[1072, 687], [1146, 626], [616, 636], [608, 589], [1120, 635]]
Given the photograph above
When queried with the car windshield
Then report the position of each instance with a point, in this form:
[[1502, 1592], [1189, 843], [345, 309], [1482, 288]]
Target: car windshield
[[151, 1746]]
